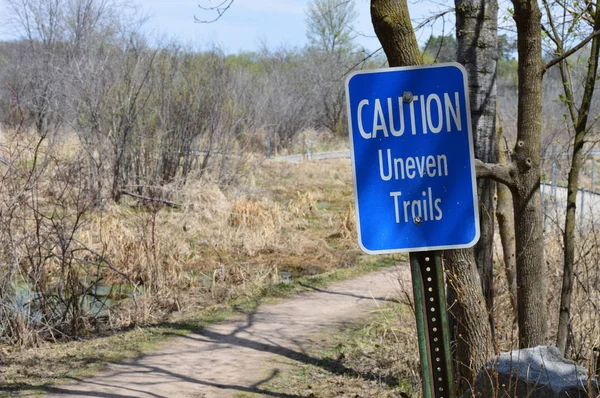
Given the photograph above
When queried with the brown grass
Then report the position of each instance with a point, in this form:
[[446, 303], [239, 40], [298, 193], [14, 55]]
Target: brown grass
[[585, 306], [220, 244], [229, 241]]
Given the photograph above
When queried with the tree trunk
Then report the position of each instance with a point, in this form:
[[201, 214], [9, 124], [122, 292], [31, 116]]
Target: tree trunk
[[531, 268], [472, 332], [580, 125], [564, 318], [394, 30], [477, 50], [506, 224], [470, 281]]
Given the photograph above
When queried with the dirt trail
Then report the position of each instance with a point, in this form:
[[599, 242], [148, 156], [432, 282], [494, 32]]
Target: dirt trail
[[242, 354]]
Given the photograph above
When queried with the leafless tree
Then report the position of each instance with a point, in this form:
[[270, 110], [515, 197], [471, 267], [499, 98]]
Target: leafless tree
[[561, 31]]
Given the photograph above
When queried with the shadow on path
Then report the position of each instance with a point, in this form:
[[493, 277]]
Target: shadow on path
[[255, 388], [232, 339], [216, 341], [316, 289]]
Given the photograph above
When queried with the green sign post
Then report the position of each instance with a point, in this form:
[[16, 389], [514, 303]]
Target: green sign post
[[432, 324]]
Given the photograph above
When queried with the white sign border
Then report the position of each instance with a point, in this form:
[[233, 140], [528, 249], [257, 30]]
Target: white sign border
[[471, 152]]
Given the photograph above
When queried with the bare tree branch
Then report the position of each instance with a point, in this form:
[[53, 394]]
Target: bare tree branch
[[220, 9], [364, 59], [434, 18], [502, 173], [152, 200], [572, 50]]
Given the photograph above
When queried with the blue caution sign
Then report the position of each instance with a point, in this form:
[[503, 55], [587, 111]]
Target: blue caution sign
[[412, 157]]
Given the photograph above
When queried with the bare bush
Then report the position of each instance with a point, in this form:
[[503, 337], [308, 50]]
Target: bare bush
[[51, 276]]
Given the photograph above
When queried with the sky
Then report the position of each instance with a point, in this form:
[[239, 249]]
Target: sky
[[250, 24]]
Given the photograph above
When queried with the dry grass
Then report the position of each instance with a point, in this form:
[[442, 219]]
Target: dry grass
[[220, 244], [584, 336], [381, 351], [227, 244], [224, 243]]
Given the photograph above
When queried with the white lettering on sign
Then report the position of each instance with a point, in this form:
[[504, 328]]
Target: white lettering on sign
[[365, 135], [396, 133], [426, 209], [402, 168], [436, 114]]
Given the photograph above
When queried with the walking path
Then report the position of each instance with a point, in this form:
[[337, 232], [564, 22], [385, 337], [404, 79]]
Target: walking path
[[242, 354]]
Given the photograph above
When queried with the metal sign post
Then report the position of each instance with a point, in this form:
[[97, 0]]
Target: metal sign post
[[414, 185], [432, 324]]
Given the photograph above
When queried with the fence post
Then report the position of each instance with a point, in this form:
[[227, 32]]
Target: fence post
[[307, 146], [593, 172], [581, 214], [554, 180]]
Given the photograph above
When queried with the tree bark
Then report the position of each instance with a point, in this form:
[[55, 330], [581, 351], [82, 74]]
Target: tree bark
[[394, 30], [472, 332], [470, 281], [531, 268], [506, 224], [477, 50]]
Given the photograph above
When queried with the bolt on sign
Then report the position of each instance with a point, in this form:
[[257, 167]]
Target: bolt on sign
[[412, 157]]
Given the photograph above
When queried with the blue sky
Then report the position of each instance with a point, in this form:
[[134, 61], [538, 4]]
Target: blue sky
[[250, 23]]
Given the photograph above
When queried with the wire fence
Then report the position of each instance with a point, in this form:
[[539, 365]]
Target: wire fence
[[554, 191], [554, 203]]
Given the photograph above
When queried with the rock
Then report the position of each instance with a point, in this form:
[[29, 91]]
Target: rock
[[539, 372]]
